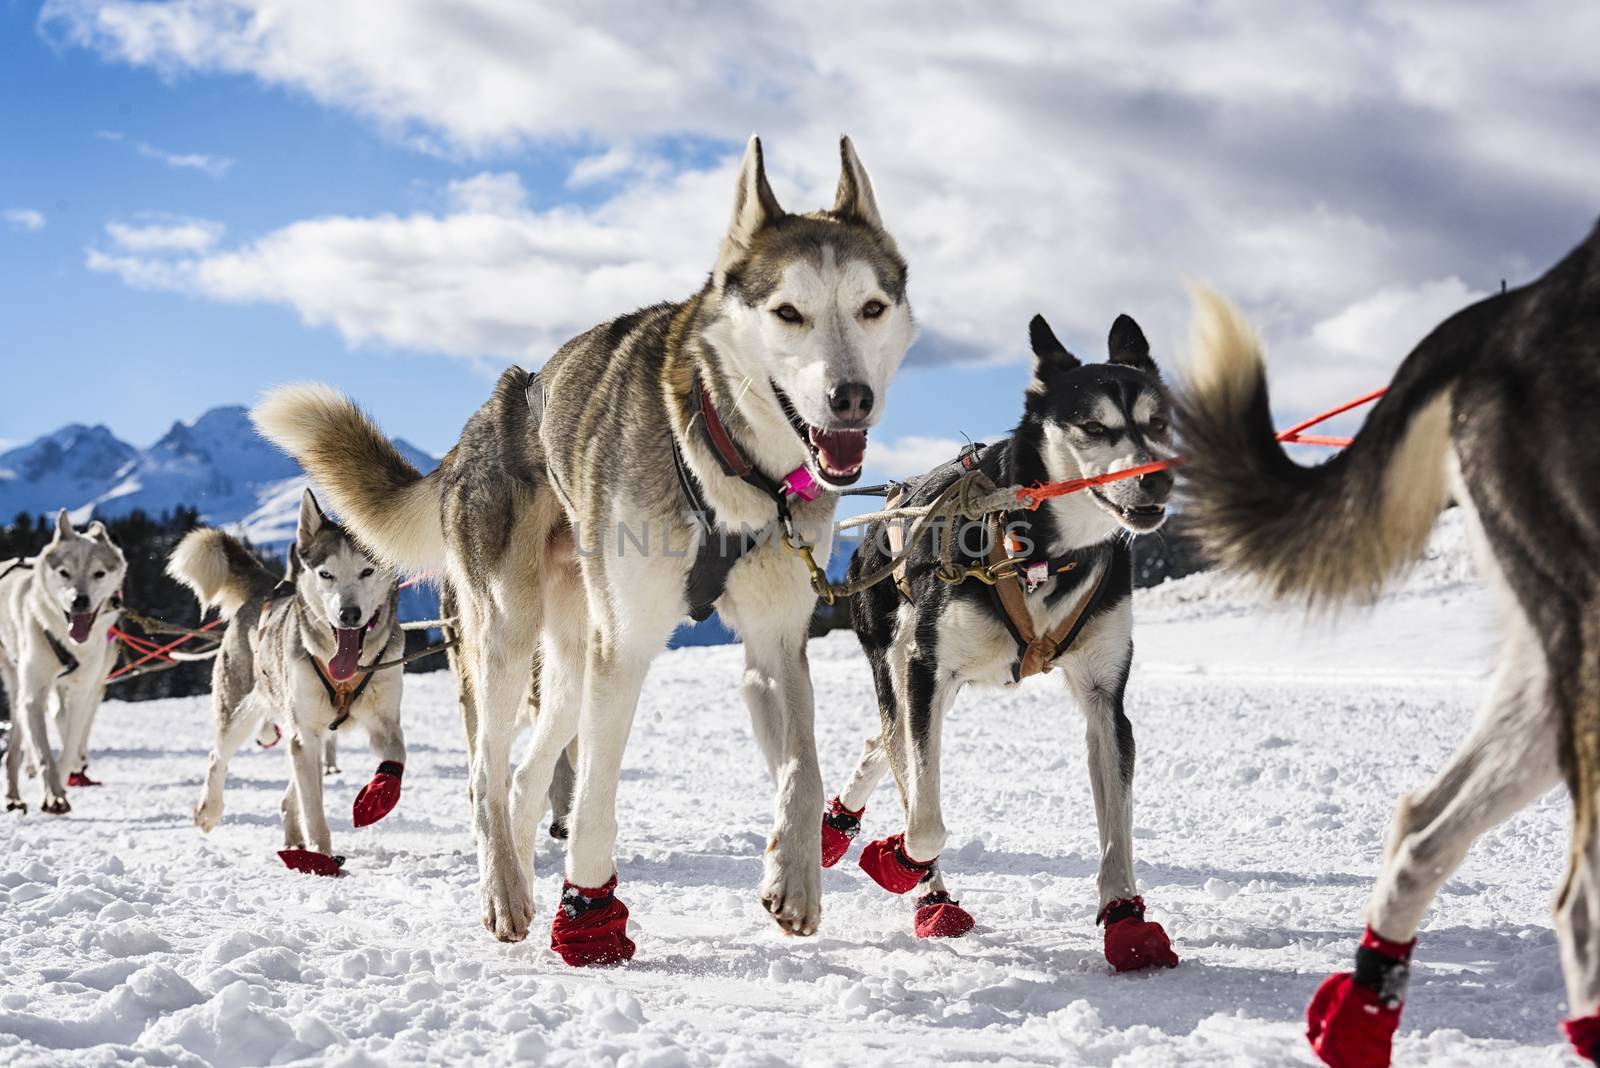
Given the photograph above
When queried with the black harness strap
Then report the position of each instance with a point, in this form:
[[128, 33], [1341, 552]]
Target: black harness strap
[[69, 663], [719, 549], [340, 696]]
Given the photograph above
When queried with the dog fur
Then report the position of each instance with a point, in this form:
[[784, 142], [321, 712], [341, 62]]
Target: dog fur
[[264, 677], [76, 575], [1495, 410], [1078, 420], [524, 518]]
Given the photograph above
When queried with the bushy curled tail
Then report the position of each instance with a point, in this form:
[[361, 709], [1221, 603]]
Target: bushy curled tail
[[390, 507], [220, 570], [1322, 535]]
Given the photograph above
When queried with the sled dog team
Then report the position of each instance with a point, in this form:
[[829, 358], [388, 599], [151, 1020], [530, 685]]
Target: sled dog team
[[746, 408]]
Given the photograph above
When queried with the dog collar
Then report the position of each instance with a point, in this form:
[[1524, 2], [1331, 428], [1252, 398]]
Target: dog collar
[[798, 483]]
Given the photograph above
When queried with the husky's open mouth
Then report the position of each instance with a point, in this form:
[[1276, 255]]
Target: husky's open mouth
[[839, 453], [78, 624], [1139, 518], [347, 656]]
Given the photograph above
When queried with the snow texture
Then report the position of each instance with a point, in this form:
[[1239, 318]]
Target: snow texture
[[1270, 756]]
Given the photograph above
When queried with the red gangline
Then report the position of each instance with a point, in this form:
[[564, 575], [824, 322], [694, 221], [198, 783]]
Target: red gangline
[[1034, 496]]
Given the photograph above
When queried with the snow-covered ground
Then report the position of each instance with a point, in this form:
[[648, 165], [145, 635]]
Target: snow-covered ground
[[1270, 755]]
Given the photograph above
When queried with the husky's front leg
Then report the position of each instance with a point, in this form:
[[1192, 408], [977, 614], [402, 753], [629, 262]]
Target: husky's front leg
[[777, 689], [78, 705], [1131, 941], [35, 675], [591, 925], [305, 754], [901, 862], [378, 798]]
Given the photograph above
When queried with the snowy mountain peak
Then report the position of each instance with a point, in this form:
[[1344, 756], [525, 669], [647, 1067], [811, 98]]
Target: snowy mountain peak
[[216, 463]]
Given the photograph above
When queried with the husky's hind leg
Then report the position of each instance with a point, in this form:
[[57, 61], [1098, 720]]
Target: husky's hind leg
[[234, 726], [1509, 759], [555, 723], [8, 678], [330, 754]]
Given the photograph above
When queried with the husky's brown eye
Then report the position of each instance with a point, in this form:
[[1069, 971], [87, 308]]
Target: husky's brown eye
[[65, 573], [99, 574], [366, 572], [1092, 428], [789, 314], [1158, 425], [872, 309]]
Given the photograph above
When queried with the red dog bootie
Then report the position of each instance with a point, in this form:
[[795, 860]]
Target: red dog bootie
[[378, 798], [81, 778], [1584, 1034], [311, 862], [940, 916], [591, 926], [839, 828], [886, 861], [1353, 1016], [1131, 941]]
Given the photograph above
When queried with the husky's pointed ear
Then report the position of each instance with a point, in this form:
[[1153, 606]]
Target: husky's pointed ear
[[754, 208], [1049, 354], [854, 199], [1128, 346], [311, 520], [64, 530], [97, 530]]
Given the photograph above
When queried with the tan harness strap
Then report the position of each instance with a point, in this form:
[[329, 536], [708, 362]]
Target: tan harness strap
[[1038, 653], [896, 531]]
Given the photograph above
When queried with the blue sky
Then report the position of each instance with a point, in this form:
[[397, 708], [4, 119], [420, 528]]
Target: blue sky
[[200, 201]]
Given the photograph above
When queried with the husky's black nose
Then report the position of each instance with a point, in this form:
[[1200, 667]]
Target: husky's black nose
[[80, 603], [1157, 484], [851, 402], [349, 616]]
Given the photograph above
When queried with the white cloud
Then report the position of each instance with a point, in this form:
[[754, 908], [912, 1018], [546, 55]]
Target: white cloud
[[24, 219], [206, 163], [1059, 158], [177, 235], [910, 455]]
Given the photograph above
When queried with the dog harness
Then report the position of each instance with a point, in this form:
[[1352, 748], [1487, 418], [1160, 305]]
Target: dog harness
[[1016, 577], [341, 695], [720, 549]]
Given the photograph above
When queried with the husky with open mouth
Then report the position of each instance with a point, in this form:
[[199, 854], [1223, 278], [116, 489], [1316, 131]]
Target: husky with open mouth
[[297, 659], [589, 509], [55, 611], [1034, 591]]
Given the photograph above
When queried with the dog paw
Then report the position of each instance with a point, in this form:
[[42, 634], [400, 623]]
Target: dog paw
[[507, 904], [207, 814], [791, 890], [14, 804], [56, 804]]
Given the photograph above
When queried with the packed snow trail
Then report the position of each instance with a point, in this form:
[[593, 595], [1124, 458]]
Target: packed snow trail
[[1270, 756]]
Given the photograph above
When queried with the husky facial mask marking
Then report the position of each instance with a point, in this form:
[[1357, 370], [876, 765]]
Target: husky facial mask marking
[[340, 583], [813, 312], [1105, 417], [80, 573]]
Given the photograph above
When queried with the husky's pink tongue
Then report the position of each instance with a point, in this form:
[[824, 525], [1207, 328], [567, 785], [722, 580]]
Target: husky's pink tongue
[[841, 451], [79, 626], [344, 662]]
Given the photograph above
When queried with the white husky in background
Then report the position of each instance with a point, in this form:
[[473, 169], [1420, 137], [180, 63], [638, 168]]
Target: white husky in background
[[55, 610]]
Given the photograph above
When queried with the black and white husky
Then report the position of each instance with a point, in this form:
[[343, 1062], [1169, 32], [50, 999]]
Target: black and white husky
[[1060, 596], [55, 610], [1496, 410], [298, 658]]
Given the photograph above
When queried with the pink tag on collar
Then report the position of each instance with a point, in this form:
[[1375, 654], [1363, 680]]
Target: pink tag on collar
[[799, 483]]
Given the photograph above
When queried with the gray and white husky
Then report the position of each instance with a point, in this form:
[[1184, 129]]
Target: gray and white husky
[[676, 424], [1057, 593], [55, 610], [297, 657], [1495, 410]]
